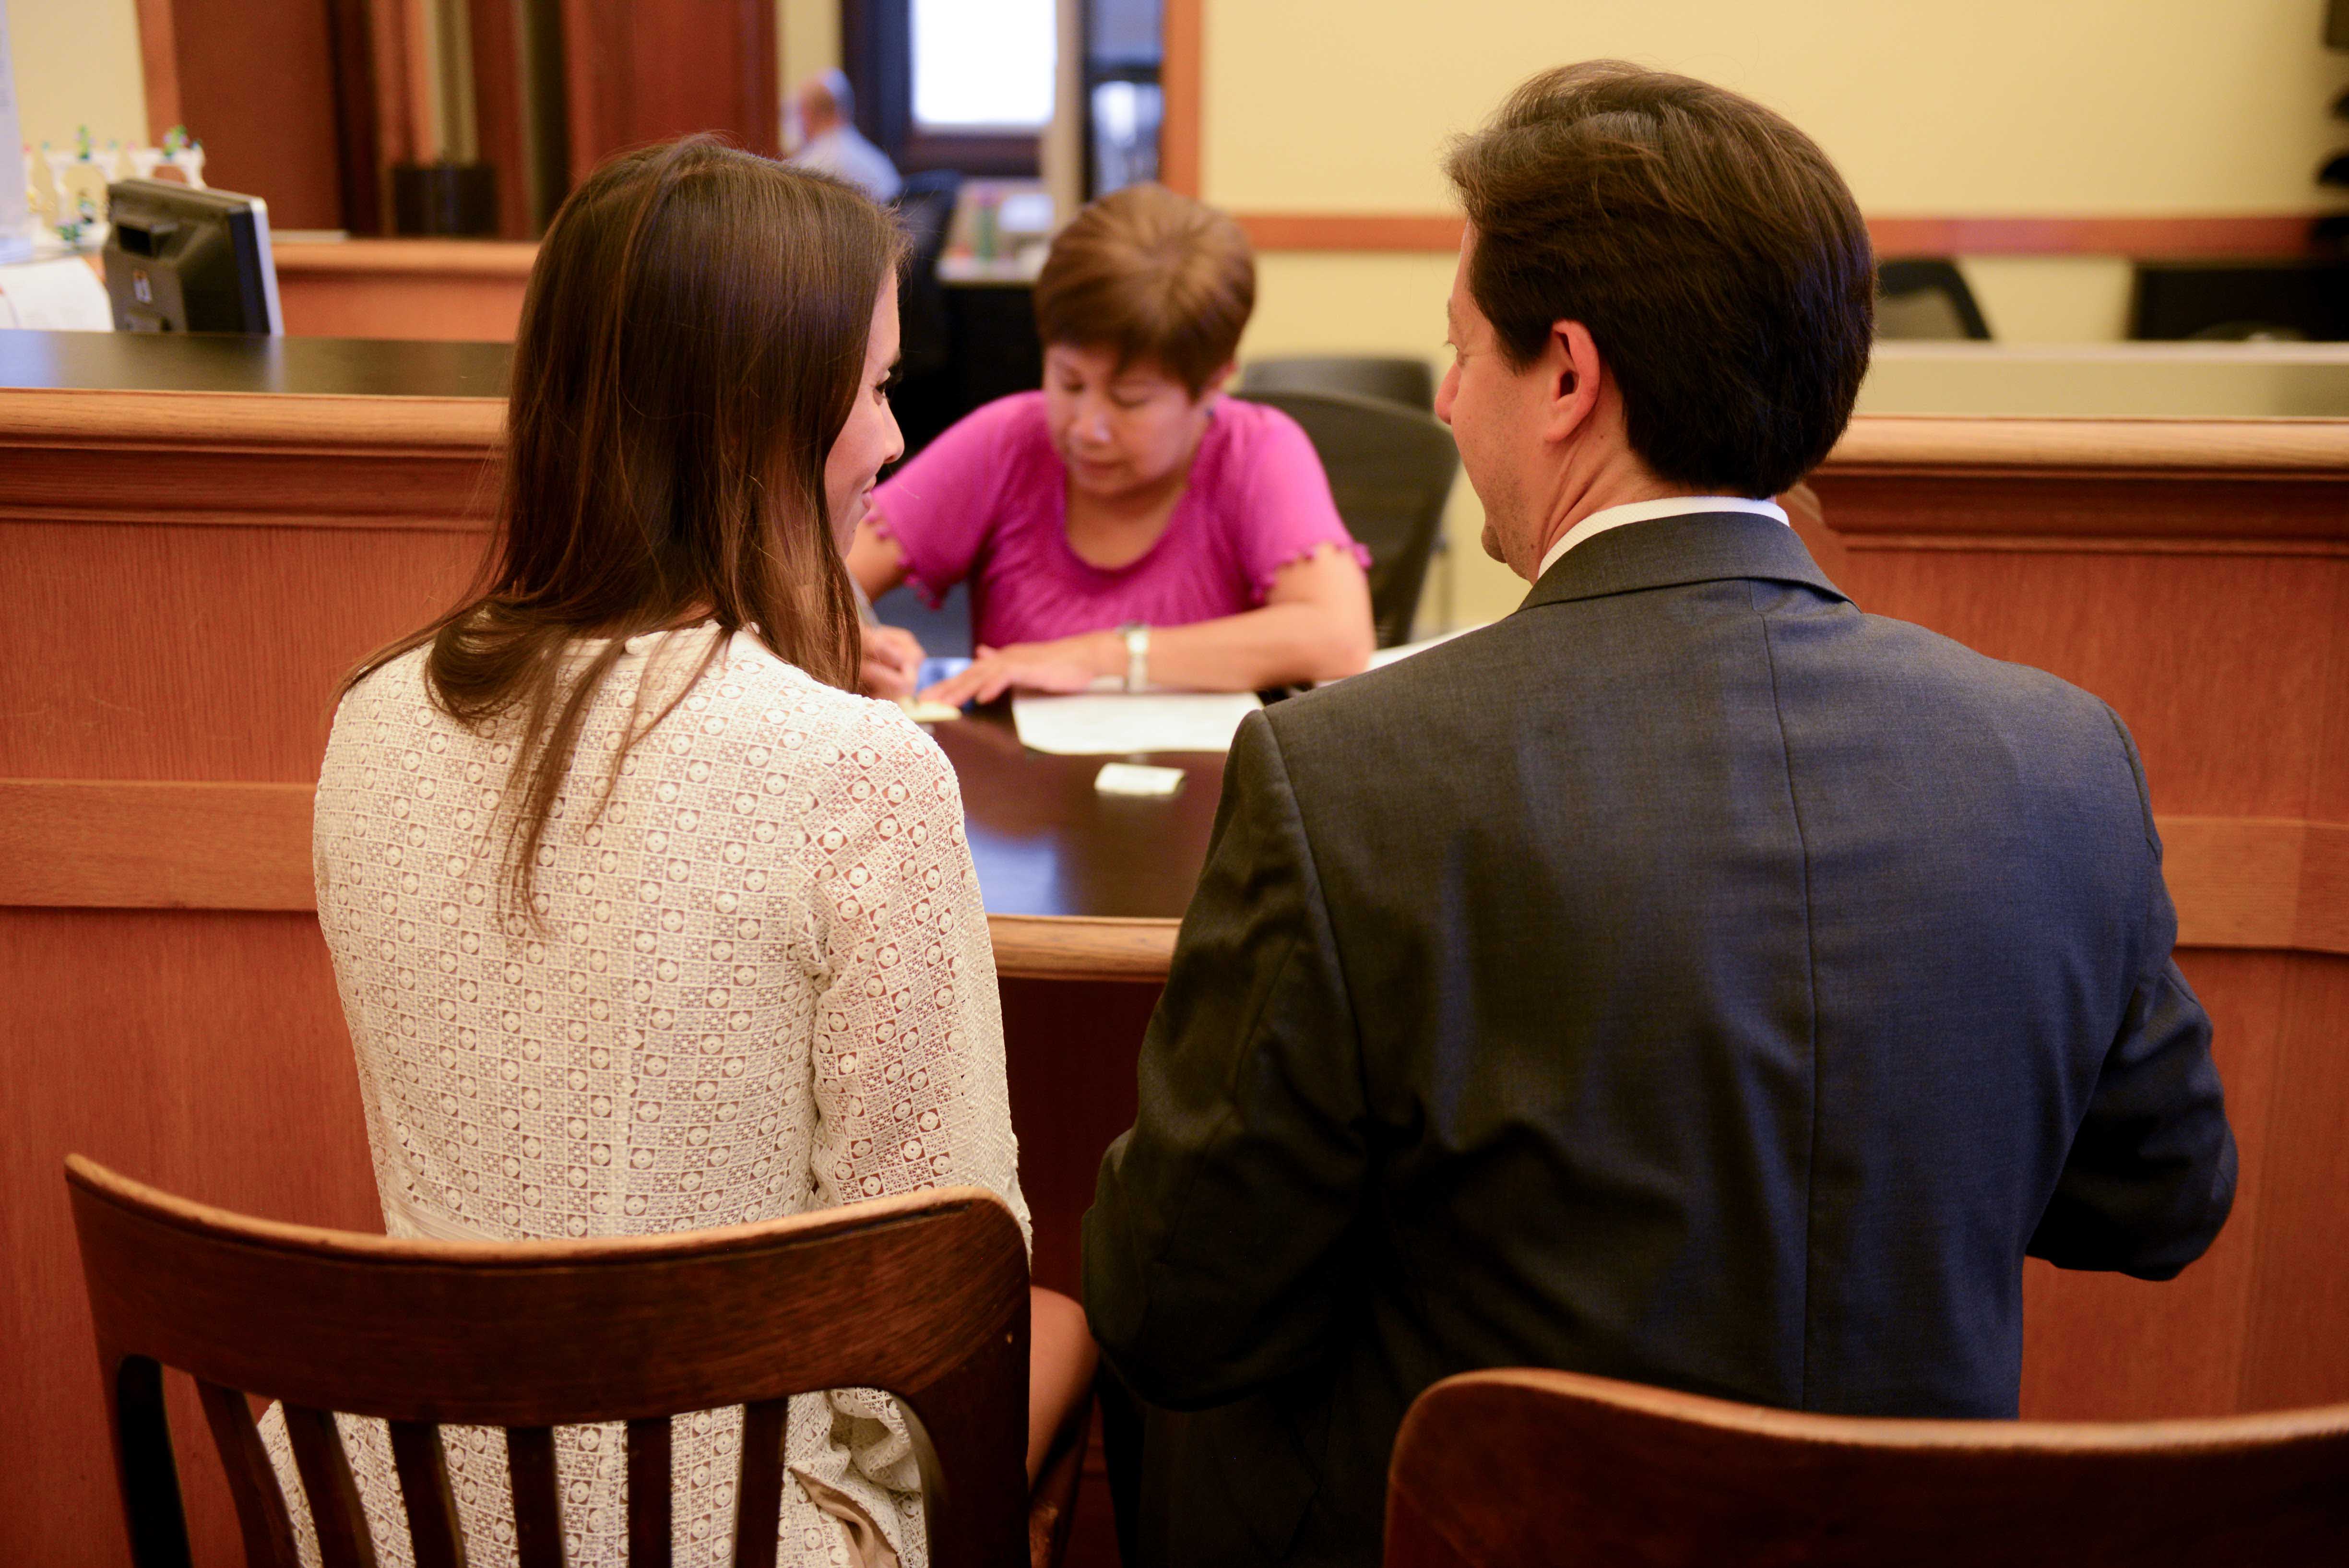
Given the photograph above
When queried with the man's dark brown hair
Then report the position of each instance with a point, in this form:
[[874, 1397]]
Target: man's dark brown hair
[[1709, 247]]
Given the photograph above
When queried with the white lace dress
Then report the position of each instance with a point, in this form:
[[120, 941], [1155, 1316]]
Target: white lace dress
[[761, 984]]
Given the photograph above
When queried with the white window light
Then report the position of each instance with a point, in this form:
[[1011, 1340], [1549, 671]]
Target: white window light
[[983, 65]]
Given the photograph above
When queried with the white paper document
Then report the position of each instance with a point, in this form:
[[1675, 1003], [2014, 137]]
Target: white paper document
[[61, 296], [1386, 656], [1116, 722]]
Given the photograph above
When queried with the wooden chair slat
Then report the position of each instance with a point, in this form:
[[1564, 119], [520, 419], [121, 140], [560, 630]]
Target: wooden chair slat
[[758, 1499], [1518, 1467], [261, 1513], [148, 1475], [924, 1296], [649, 1500], [537, 1496], [432, 1528], [334, 1496]]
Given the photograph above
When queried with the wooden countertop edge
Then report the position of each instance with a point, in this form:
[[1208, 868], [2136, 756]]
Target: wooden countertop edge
[[406, 258], [2279, 883], [1063, 947], [2181, 448], [1875, 445], [97, 420], [233, 845]]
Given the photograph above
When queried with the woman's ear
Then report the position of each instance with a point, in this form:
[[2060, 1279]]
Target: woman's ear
[[1214, 386]]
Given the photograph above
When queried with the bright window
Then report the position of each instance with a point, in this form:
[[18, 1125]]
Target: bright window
[[983, 65]]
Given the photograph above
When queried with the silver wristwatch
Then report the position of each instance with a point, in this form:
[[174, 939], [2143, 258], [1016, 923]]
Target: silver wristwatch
[[1138, 654]]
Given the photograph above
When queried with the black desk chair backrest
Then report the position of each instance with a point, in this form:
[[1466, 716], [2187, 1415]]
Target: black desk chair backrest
[[1515, 1468], [924, 1296], [1926, 299], [926, 207], [1390, 471], [1411, 382]]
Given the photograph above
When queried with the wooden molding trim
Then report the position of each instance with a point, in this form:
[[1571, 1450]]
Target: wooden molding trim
[[2275, 883], [1352, 231], [2257, 882], [141, 845], [97, 421], [266, 459], [112, 843], [1876, 443], [406, 258], [1051, 947], [2151, 448], [2256, 487], [250, 460], [2260, 235], [2252, 236], [2178, 238], [1180, 75]]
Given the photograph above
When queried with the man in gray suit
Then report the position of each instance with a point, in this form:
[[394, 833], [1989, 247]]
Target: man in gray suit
[[1690, 979]]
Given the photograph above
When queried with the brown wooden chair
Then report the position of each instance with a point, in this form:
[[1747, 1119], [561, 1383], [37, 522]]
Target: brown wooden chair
[[924, 1296], [1499, 1468]]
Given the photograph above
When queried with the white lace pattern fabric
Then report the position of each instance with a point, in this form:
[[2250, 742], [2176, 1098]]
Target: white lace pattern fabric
[[759, 983]]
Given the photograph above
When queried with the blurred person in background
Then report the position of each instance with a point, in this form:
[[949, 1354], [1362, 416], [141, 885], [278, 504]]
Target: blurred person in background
[[830, 142]]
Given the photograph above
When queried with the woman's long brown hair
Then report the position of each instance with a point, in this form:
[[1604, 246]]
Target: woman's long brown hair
[[692, 341]]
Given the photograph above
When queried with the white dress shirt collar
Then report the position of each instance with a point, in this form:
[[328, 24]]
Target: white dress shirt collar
[[1597, 522]]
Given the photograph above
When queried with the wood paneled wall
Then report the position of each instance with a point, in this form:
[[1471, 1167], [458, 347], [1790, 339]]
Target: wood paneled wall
[[458, 291], [193, 572], [2195, 576], [656, 68]]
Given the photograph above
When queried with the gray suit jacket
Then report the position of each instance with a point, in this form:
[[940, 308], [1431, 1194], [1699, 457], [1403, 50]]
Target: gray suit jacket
[[1690, 979]]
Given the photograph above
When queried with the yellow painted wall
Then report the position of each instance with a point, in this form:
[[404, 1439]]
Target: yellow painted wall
[[1928, 107], [1993, 107], [808, 32], [1988, 107], [77, 64]]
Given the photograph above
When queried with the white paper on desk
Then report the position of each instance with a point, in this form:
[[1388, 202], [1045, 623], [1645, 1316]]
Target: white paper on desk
[[1386, 656], [1116, 722], [61, 296]]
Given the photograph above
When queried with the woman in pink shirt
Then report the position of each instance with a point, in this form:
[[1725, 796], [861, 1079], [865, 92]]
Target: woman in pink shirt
[[1128, 521]]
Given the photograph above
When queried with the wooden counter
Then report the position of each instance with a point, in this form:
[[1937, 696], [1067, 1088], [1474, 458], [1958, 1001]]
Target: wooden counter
[[189, 572], [466, 290]]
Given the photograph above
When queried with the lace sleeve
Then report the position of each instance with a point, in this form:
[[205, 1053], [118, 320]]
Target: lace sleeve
[[908, 1059]]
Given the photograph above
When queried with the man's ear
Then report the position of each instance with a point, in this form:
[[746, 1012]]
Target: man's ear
[[1571, 367]]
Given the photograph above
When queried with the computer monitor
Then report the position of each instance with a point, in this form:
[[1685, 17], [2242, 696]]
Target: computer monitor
[[183, 260]]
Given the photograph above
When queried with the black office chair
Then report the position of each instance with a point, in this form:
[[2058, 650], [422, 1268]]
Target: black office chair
[[926, 206], [924, 396], [1410, 382], [1390, 471], [1926, 299]]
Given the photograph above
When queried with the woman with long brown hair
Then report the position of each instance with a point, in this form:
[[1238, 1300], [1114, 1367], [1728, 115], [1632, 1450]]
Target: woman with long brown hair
[[643, 921]]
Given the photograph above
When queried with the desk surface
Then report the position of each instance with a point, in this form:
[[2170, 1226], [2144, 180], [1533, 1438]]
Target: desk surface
[[1045, 842], [2110, 380], [229, 362], [2125, 380], [1077, 883]]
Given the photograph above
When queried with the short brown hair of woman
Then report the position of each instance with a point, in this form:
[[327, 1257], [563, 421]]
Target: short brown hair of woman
[[692, 340], [1712, 252], [1155, 279]]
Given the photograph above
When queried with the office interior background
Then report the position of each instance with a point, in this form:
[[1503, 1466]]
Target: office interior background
[[2044, 147], [2133, 524]]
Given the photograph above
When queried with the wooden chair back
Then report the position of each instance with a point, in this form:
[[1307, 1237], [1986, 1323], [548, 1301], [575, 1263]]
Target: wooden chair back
[[1500, 1468], [925, 1297]]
